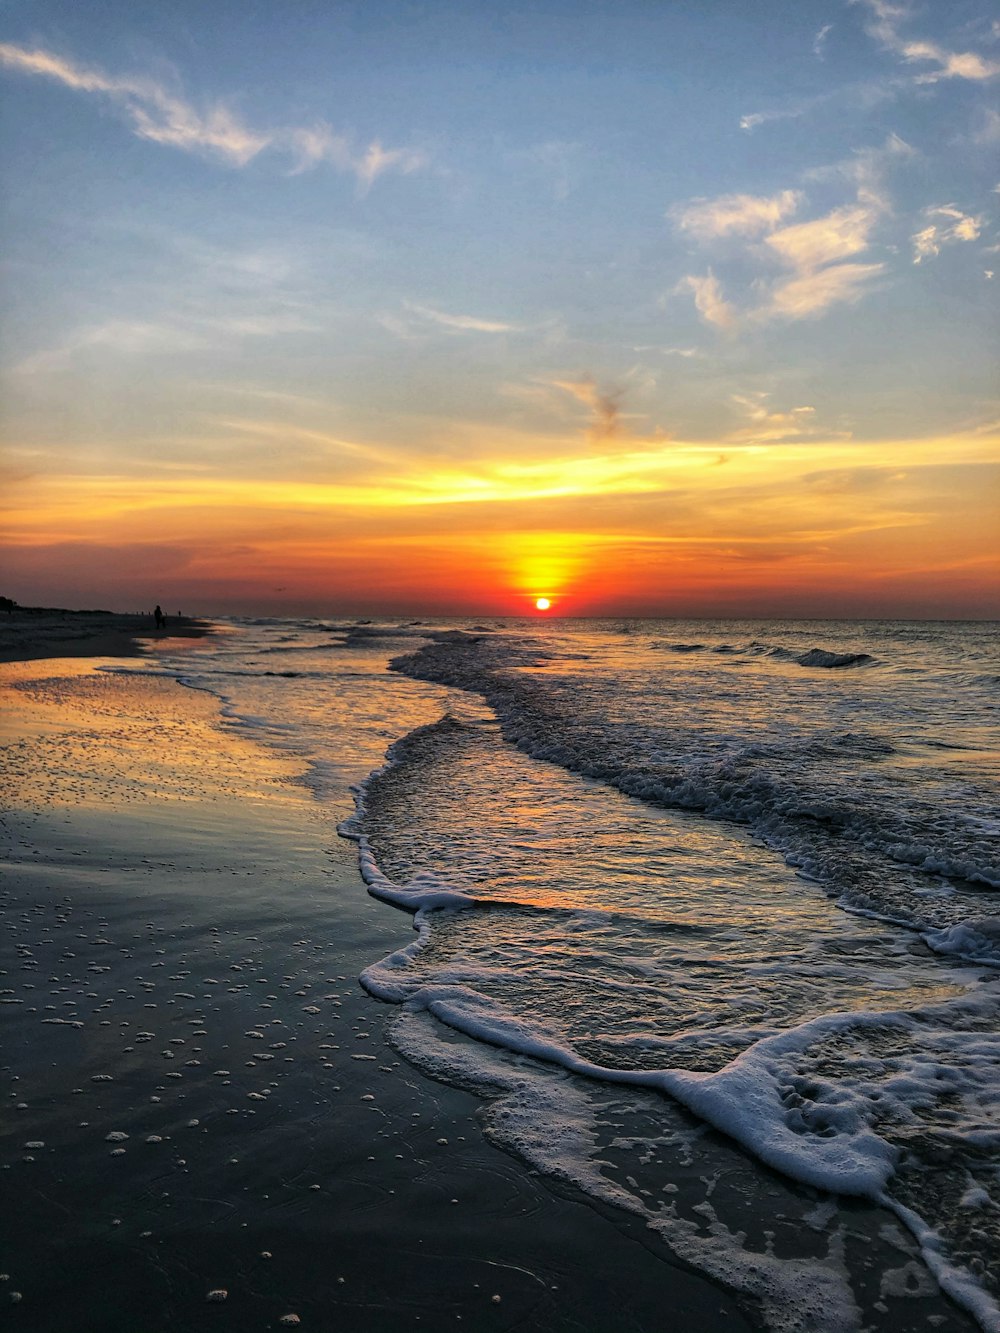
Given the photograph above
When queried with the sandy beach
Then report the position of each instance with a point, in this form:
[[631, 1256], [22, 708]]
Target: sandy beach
[[27, 635], [203, 1126]]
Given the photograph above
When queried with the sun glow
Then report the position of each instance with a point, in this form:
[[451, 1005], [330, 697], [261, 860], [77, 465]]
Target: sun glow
[[542, 603]]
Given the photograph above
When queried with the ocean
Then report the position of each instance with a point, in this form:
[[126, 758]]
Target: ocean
[[706, 912]]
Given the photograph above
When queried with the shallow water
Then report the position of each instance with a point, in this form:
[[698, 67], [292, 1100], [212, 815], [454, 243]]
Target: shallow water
[[745, 869]]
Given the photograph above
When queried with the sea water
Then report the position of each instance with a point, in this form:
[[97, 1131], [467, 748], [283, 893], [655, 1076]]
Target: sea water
[[673, 881]]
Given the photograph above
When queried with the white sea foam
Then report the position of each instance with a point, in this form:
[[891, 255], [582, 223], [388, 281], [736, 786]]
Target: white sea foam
[[977, 938], [552, 1125]]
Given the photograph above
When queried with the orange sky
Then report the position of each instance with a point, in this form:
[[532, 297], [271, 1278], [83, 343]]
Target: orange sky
[[628, 526]]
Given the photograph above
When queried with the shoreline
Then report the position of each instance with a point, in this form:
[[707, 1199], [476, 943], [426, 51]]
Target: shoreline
[[200, 1095], [28, 636]]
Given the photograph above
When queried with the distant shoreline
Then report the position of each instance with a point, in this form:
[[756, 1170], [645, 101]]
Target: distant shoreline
[[28, 633]]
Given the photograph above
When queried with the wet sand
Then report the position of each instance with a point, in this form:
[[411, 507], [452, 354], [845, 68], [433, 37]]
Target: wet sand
[[26, 636], [198, 1097]]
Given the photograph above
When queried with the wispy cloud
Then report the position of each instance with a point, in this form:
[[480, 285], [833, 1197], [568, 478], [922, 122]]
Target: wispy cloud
[[946, 225], [818, 256], [131, 337], [809, 294], [709, 301], [837, 235], [686, 353], [164, 116], [283, 432], [862, 96], [885, 23], [819, 41], [320, 143], [819, 279], [887, 20], [154, 112], [460, 323], [734, 214], [768, 425], [988, 131], [174, 335], [604, 405]]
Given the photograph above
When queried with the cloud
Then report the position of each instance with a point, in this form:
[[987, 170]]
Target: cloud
[[313, 144], [375, 160], [686, 353], [989, 129], [767, 425], [885, 24], [817, 254], [819, 41], [864, 170], [808, 295], [734, 214], [155, 113], [709, 301], [165, 117], [459, 323], [130, 337], [837, 235], [173, 335], [604, 405], [950, 226], [284, 432]]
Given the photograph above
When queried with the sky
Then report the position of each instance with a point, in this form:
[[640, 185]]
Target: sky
[[434, 306]]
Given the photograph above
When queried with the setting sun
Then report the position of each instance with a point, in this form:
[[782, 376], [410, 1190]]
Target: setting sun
[[542, 603]]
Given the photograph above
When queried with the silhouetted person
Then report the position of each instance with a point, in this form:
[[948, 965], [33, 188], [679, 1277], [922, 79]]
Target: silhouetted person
[[160, 618]]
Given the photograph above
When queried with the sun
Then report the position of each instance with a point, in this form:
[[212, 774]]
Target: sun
[[542, 603]]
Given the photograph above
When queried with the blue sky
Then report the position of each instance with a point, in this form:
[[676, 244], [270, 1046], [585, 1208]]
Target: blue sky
[[341, 244]]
